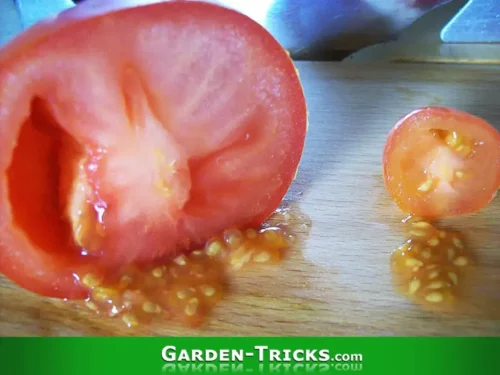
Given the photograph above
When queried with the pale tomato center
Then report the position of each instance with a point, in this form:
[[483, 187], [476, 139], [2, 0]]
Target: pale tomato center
[[443, 166]]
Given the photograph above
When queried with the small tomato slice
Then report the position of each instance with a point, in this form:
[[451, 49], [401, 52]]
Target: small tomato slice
[[128, 134], [440, 162]]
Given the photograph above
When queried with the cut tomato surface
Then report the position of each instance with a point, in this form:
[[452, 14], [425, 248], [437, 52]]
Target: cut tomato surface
[[129, 134], [440, 162]]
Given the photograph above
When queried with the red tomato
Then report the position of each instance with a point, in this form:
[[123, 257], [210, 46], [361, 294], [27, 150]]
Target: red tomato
[[128, 135], [441, 162]]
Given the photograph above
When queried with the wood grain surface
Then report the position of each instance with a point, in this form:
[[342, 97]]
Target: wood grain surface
[[337, 280]]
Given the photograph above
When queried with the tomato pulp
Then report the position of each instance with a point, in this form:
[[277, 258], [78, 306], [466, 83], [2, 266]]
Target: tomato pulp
[[440, 162], [131, 134]]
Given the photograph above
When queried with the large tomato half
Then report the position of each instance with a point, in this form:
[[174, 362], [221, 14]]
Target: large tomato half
[[128, 134], [441, 162]]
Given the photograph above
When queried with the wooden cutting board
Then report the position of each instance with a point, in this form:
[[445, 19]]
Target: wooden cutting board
[[337, 280]]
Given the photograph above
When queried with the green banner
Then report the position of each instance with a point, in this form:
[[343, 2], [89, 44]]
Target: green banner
[[161, 356]]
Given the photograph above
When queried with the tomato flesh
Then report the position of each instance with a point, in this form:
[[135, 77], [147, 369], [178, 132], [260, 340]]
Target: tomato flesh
[[442, 162], [132, 135]]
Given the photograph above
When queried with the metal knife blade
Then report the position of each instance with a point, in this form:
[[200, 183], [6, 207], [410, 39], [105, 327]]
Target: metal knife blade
[[310, 30], [32, 11], [10, 21], [477, 22]]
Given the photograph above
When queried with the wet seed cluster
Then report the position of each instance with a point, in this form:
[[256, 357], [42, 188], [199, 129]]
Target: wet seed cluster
[[458, 144], [429, 267], [188, 287]]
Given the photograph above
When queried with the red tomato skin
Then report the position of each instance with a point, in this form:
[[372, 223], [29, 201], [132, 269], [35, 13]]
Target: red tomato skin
[[411, 205], [47, 275]]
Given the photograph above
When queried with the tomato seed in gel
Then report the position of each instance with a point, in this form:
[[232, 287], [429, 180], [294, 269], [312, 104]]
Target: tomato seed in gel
[[430, 267], [187, 287]]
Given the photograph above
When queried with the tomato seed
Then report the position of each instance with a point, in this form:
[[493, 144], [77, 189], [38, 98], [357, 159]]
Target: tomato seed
[[434, 297], [418, 268], [188, 285], [90, 280], [191, 307], [414, 286]]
